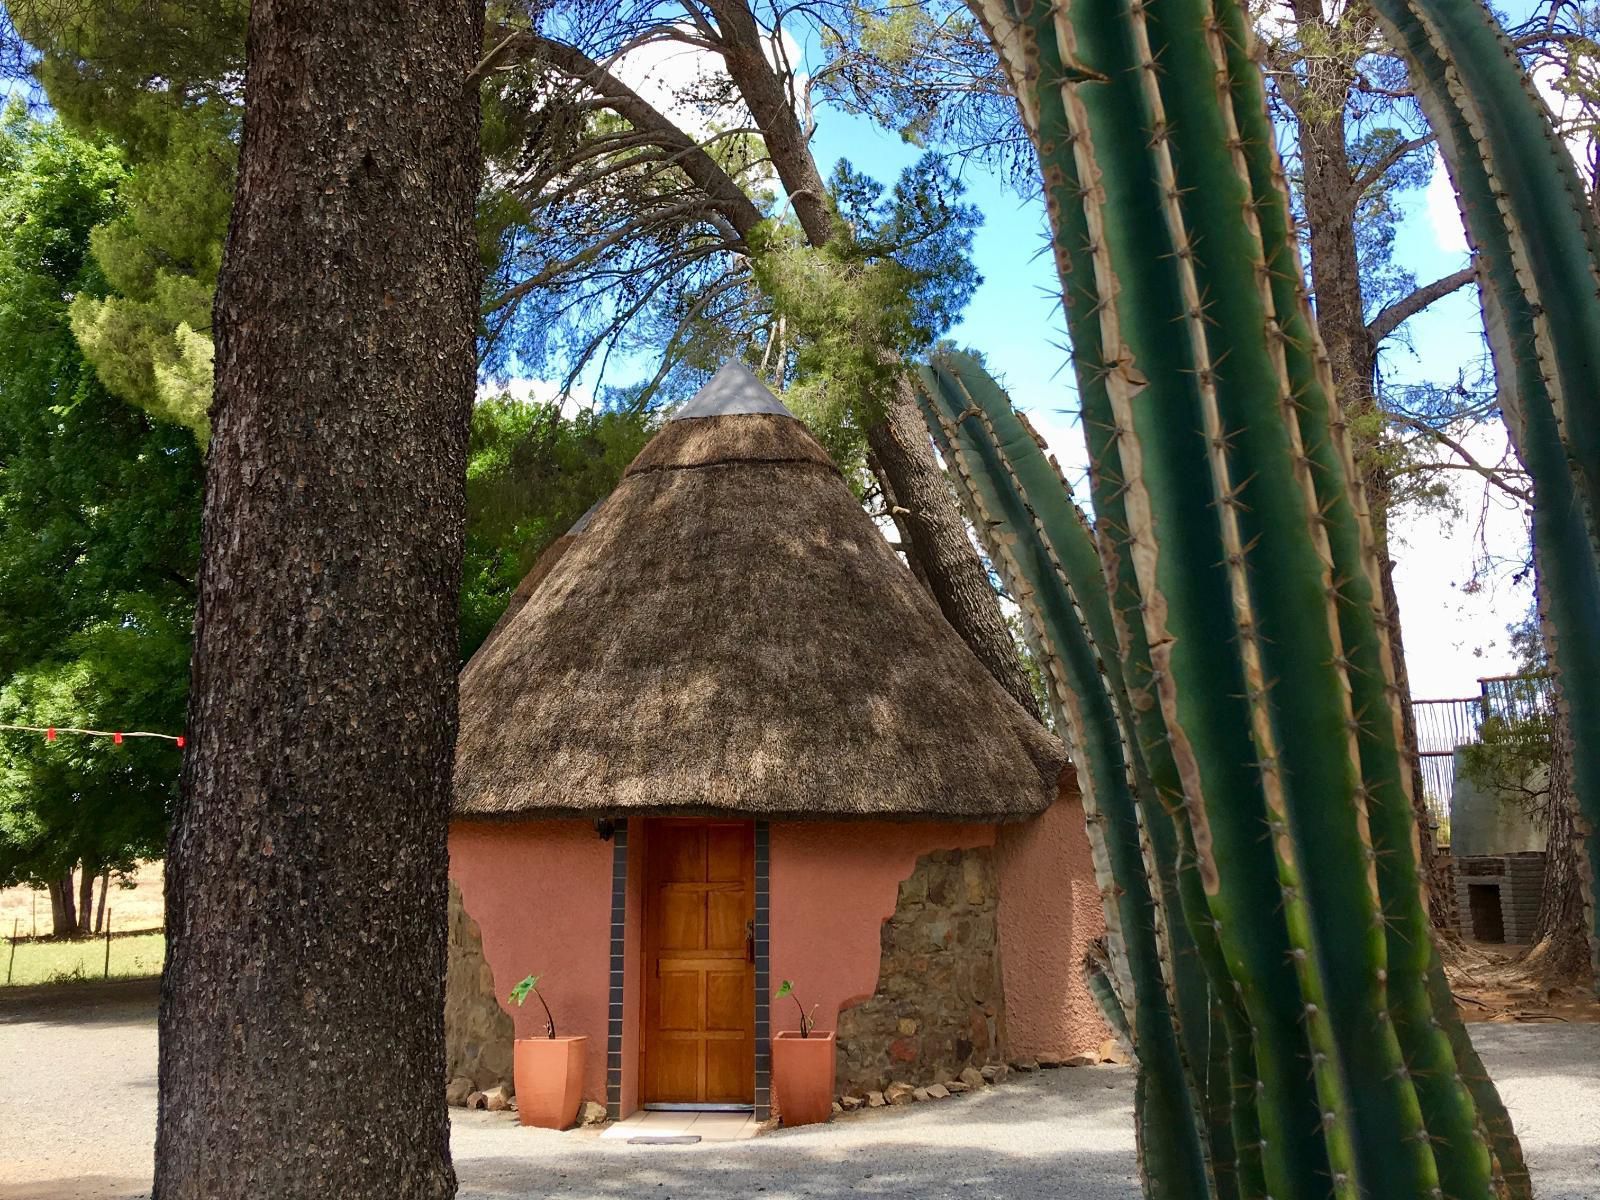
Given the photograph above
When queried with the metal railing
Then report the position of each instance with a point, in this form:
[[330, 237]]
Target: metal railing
[[1445, 725]]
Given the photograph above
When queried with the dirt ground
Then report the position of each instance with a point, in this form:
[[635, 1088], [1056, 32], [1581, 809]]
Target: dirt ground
[[78, 1097], [1493, 985], [135, 907]]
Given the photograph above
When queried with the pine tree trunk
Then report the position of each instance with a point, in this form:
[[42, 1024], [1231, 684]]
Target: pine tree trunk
[[897, 514], [63, 912], [940, 544], [302, 1040]]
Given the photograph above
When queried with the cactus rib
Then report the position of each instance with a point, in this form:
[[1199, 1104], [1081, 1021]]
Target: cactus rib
[[1082, 693], [1238, 571]]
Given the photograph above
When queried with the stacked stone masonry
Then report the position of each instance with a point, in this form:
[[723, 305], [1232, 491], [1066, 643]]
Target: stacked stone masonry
[[1516, 881], [478, 1032], [938, 1007]]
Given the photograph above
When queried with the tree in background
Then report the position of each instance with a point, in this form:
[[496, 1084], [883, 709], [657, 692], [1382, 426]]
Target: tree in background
[[654, 219], [531, 473], [150, 338], [99, 533], [162, 84]]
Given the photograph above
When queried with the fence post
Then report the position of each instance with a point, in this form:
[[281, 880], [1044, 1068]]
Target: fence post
[[15, 922], [108, 944]]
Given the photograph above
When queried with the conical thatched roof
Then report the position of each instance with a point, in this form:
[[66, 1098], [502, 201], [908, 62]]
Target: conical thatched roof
[[731, 634]]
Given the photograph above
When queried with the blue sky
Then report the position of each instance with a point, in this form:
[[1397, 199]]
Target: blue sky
[[1454, 633]]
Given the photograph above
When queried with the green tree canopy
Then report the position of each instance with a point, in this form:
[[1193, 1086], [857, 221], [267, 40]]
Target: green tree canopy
[[531, 473], [99, 526], [150, 337]]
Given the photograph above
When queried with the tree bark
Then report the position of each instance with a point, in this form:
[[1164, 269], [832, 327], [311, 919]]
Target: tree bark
[[100, 913], [1561, 940], [897, 514], [744, 52], [938, 539], [306, 870], [63, 912], [86, 897]]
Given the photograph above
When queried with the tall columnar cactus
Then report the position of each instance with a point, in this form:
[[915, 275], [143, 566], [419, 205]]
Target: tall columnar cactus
[[1536, 249], [1152, 963], [1261, 1056], [1237, 522]]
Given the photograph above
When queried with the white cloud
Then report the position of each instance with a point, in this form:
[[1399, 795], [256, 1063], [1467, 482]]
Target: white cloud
[[1455, 632], [673, 77], [1444, 217]]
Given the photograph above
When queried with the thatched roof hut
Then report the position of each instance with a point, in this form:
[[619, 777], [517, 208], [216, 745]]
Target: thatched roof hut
[[731, 634]]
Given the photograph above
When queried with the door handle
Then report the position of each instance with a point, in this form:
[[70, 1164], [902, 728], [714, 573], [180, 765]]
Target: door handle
[[750, 940]]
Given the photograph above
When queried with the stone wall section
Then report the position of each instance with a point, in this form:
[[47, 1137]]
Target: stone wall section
[[478, 1033], [938, 1007]]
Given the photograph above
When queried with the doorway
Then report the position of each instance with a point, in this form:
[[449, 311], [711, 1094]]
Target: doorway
[[1488, 918], [699, 964]]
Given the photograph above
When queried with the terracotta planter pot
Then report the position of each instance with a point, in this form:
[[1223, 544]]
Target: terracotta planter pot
[[802, 1077], [549, 1079]]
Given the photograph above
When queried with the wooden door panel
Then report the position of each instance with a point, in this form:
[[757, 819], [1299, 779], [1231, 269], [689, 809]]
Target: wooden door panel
[[681, 993], [728, 1001], [726, 914], [728, 1073], [675, 1071], [682, 853], [681, 923], [725, 854], [699, 1036]]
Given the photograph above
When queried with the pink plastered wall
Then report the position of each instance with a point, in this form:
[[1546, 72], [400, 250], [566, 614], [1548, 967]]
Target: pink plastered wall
[[833, 886], [1049, 913], [541, 894]]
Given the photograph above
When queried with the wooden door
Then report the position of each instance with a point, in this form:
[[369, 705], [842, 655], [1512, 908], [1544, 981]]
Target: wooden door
[[699, 913]]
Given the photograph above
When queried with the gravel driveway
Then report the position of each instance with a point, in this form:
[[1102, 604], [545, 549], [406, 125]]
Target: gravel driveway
[[77, 1120]]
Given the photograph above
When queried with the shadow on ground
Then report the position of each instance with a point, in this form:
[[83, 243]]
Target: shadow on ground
[[98, 1002], [1065, 1134], [1060, 1134]]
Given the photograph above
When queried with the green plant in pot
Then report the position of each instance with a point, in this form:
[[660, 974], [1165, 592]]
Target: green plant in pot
[[802, 1066], [548, 1069]]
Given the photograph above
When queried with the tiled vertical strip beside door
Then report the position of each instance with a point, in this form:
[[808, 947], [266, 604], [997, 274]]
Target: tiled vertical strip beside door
[[763, 944], [619, 962]]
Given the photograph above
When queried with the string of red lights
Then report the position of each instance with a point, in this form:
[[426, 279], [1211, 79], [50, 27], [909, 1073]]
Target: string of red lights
[[116, 735]]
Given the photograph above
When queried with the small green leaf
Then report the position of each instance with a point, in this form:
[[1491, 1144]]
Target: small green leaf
[[786, 988], [520, 993]]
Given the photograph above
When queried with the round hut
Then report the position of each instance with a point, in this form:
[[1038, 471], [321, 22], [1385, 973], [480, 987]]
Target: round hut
[[724, 739]]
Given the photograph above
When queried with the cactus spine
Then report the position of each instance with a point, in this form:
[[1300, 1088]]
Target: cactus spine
[[1256, 706], [1020, 498], [1536, 251], [1082, 690]]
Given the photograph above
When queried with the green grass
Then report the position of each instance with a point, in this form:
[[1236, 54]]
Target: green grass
[[72, 962]]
